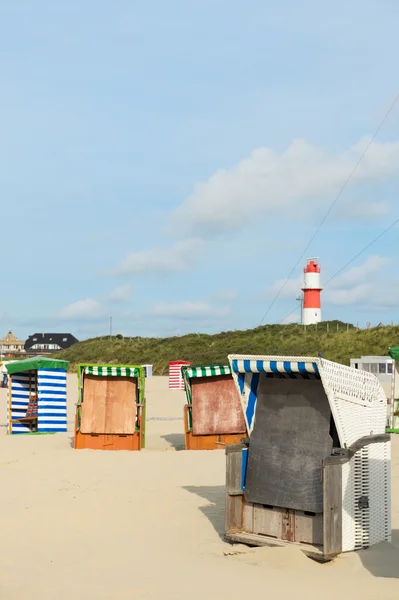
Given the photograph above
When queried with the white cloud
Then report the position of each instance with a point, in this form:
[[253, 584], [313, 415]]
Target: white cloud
[[188, 310], [121, 294], [87, 309], [178, 257], [225, 295], [291, 289], [373, 265], [292, 184], [369, 209], [365, 286]]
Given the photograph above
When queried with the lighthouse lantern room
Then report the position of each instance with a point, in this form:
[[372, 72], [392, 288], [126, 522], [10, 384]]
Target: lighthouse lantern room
[[311, 312]]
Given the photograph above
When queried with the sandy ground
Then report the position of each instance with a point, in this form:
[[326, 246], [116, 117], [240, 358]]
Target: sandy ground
[[148, 525]]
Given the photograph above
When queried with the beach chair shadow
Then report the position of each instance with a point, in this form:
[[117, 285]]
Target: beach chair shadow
[[176, 440], [382, 560], [214, 511]]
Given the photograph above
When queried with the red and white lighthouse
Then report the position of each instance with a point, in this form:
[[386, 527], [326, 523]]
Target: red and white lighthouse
[[311, 311]]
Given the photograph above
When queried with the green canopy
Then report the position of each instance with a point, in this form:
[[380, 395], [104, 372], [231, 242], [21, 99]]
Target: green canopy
[[37, 362], [394, 352]]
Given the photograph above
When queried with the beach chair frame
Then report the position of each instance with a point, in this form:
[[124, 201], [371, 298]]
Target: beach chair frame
[[37, 396], [356, 509], [394, 416], [211, 441], [104, 440]]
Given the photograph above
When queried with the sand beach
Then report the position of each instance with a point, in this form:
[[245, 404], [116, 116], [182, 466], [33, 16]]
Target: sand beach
[[149, 525]]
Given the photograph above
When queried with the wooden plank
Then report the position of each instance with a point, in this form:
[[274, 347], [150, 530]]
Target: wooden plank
[[29, 419], [236, 447], [268, 521], [288, 525], [309, 528], [106, 441], [187, 408], [234, 493], [233, 473], [109, 405], [93, 406], [187, 432], [121, 406], [216, 407], [332, 508], [252, 539], [233, 513], [210, 442], [247, 516]]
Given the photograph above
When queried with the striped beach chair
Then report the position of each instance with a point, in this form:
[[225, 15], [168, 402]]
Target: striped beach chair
[[212, 415], [37, 396], [315, 470], [110, 413]]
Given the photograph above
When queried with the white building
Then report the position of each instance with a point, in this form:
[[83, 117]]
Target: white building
[[380, 366]]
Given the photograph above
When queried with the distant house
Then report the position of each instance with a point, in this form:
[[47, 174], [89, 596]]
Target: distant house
[[380, 366], [10, 343], [49, 342]]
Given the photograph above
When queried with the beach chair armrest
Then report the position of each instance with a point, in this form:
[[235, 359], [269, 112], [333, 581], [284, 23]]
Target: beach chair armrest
[[347, 453]]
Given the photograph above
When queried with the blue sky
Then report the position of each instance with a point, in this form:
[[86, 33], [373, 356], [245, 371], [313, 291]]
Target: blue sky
[[167, 163]]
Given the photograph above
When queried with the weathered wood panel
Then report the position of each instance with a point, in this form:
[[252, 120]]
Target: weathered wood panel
[[247, 516], [210, 442], [109, 405], [233, 514], [234, 494], [252, 539], [288, 443], [332, 488], [216, 406], [267, 521], [233, 470], [309, 528]]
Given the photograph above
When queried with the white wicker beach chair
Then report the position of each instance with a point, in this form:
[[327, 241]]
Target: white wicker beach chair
[[316, 467]]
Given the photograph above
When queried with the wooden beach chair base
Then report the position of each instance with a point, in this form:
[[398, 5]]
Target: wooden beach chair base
[[319, 535], [250, 539], [107, 441], [262, 525], [208, 442]]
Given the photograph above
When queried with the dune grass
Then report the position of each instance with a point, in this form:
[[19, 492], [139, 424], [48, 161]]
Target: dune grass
[[335, 340]]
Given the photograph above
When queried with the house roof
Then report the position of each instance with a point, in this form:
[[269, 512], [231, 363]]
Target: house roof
[[50, 338], [10, 338]]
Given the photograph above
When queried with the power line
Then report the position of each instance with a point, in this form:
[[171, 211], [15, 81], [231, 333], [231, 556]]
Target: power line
[[291, 313], [373, 241], [361, 251], [332, 206]]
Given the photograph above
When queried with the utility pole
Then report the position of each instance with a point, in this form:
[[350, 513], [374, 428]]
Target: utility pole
[[300, 299], [110, 328]]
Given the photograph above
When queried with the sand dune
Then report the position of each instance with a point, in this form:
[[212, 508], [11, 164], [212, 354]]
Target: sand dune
[[124, 525]]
